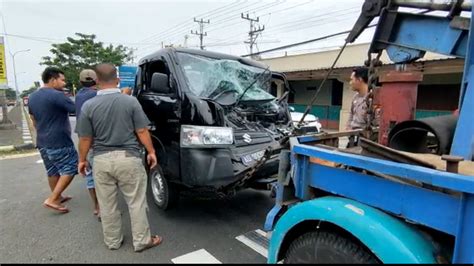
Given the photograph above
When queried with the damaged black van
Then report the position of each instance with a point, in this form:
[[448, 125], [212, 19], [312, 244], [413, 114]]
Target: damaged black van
[[213, 116]]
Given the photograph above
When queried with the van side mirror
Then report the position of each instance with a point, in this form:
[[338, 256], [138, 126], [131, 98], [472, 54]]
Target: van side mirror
[[159, 83]]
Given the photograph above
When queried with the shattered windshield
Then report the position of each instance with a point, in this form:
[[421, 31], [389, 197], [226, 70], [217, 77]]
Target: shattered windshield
[[209, 77]]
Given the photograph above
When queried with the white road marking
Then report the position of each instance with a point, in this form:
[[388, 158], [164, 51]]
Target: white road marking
[[261, 232], [197, 257], [26, 134], [39, 161], [251, 244]]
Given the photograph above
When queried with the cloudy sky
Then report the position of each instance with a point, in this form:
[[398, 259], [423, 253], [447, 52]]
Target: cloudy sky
[[147, 25]]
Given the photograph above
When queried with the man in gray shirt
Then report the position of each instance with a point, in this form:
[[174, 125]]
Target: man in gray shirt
[[111, 123], [358, 112], [358, 118]]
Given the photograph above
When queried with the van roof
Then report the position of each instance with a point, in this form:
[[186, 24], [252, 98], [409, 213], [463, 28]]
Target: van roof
[[157, 55]]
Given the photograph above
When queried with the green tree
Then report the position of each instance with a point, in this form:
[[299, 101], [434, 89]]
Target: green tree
[[84, 52], [28, 91], [10, 94]]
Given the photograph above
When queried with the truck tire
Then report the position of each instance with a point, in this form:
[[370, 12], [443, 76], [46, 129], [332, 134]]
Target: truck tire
[[165, 194], [326, 247]]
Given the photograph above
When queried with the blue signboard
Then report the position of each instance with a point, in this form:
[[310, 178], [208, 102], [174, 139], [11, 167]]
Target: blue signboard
[[127, 76]]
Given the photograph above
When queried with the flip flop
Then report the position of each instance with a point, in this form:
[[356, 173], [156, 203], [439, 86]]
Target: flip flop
[[56, 208], [65, 199], [155, 241]]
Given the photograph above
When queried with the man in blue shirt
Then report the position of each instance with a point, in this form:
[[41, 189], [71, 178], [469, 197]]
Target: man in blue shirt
[[88, 79], [49, 109]]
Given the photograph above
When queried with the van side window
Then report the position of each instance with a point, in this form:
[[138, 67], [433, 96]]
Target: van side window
[[137, 89], [155, 67]]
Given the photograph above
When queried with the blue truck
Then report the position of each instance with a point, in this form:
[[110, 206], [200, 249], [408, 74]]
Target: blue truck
[[337, 206]]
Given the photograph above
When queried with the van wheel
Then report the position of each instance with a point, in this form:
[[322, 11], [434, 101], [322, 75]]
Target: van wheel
[[165, 194], [326, 247]]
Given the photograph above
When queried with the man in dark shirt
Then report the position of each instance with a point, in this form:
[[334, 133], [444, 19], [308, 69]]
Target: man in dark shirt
[[88, 79], [49, 109]]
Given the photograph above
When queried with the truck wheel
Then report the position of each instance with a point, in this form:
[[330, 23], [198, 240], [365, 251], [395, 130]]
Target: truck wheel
[[326, 247], [165, 195]]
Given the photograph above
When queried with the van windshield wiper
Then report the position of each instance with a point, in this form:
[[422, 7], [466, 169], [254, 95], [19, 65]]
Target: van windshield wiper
[[257, 78]]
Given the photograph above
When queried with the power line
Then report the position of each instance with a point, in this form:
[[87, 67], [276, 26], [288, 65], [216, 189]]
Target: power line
[[286, 9], [221, 14], [309, 41], [312, 19], [289, 25], [316, 24], [304, 42], [232, 18], [286, 26], [182, 28], [220, 44], [311, 50], [187, 23], [53, 40], [38, 39], [319, 19]]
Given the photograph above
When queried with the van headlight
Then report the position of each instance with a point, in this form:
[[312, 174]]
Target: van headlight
[[206, 137]]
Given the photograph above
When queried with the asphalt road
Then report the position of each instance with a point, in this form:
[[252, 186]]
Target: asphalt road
[[9, 108], [32, 234]]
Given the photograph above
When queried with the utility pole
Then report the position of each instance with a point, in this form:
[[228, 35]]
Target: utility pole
[[254, 32], [201, 32], [185, 44], [133, 50], [14, 71]]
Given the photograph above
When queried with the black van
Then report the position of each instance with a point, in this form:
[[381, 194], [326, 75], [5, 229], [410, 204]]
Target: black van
[[213, 117]]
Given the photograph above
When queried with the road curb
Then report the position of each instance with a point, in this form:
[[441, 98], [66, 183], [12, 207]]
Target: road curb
[[27, 127], [7, 148], [19, 147]]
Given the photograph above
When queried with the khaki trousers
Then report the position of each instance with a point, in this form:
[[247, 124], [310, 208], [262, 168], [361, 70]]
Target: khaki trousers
[[118, 170]]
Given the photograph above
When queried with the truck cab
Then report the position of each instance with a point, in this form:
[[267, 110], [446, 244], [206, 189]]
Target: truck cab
[[213, 117], [374, 204]]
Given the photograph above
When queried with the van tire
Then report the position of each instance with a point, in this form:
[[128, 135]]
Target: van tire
[[165, 194], [326, 247]]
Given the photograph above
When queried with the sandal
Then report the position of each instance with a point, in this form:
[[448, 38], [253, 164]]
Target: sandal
[[155, 241], [58, 208], [65, 199]]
